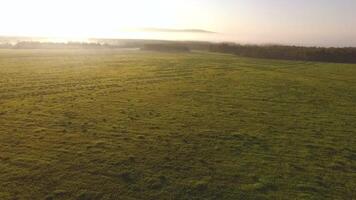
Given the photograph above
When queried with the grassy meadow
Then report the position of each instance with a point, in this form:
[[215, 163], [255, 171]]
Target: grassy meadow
[[115, 124]]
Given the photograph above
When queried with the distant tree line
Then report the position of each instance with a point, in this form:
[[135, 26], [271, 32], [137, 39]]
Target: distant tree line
[[52, 45], [166, 47], [338, 55], [140, 43], [32, 43], [5, 46]]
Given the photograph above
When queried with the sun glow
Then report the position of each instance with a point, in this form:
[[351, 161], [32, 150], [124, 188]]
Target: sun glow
[[326, 23], [81, 18], [78, 20]]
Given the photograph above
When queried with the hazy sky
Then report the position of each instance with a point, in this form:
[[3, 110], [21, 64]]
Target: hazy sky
[[306, 22]]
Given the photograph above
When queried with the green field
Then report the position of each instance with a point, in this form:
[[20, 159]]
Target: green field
[[113, 124]]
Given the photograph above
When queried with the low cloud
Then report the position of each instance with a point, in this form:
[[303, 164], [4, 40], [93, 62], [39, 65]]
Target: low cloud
[[169, 30]]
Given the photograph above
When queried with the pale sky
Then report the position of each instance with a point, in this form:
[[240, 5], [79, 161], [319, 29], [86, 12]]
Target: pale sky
[[301, 22]]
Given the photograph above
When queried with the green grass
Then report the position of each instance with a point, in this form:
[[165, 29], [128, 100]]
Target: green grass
[[85, 124]]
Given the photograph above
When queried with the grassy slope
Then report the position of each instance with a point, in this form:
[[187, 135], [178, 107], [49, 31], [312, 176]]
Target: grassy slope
[[134, 125]]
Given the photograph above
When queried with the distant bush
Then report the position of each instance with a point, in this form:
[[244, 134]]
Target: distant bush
[[338, 55], [166, 47]]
